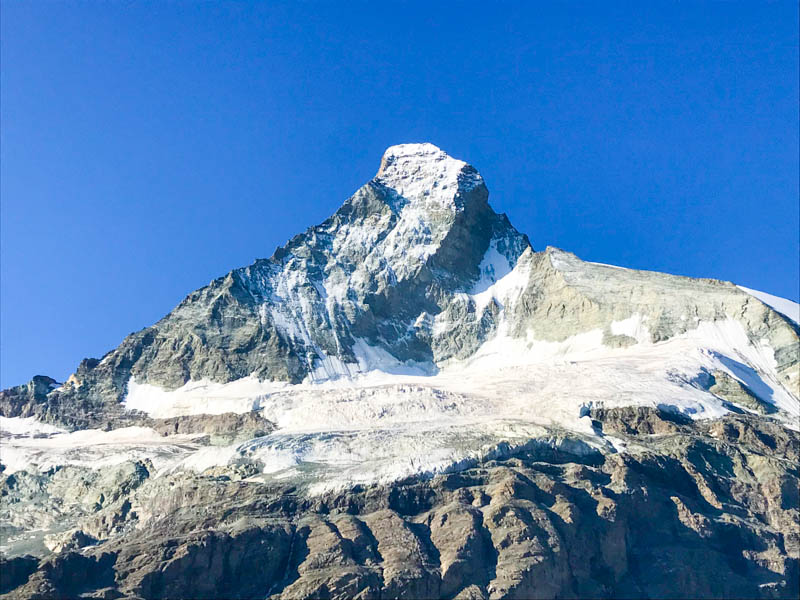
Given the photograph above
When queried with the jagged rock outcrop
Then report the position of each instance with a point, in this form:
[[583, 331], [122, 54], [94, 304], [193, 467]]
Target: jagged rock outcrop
[[707, 511], [224, 428], [566, 296]]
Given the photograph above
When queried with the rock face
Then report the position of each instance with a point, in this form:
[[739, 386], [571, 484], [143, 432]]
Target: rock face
[[407, 400], [224, 428], [708, 511], [394, 252]]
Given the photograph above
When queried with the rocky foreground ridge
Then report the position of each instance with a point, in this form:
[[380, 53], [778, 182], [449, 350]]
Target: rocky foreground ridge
[[407, 400], [694, 511]]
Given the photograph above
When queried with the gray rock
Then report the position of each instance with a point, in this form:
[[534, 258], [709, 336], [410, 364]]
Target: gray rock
[[726, 387], [701, 510], [223, 429], [392, 268]]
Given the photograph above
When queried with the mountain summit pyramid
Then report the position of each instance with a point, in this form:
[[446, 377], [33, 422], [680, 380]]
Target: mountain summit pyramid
[[411, 373], [374, 274]]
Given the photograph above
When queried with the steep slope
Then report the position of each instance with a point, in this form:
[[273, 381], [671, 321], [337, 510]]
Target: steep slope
[[705, 511], [394, 250], [367, 276]]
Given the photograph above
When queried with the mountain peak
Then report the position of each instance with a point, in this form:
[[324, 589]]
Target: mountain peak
[[407, 154], [425, 173]]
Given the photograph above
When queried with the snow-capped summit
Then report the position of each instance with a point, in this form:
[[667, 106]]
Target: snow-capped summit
[[376, 285], [425, 173]]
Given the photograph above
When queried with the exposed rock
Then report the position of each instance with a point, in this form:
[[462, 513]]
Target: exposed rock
[[223, 429], [635, 525], [23, 400], [400, 267], [635, 420], [15, 572], [723, 385], [59, 498], [68, 540]]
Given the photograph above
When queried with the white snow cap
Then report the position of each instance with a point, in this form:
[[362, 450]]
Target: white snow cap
[[423, 172]]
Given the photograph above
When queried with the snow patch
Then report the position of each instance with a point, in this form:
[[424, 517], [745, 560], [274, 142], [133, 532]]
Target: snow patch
[[26, 426], [633, 327], [94, 449], [599, 264], [499, 281], [423, 172], [199, 397], [786, 307]]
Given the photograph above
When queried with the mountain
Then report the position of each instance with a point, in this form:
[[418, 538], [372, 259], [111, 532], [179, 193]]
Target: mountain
[[409, 400]]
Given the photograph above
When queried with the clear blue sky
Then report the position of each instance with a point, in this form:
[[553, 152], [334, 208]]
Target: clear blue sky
[[150, 147]]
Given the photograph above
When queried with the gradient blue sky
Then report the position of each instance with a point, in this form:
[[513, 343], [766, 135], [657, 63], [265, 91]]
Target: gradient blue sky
[[150, 147]]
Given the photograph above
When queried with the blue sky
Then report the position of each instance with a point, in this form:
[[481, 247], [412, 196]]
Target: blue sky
[[150, 147]]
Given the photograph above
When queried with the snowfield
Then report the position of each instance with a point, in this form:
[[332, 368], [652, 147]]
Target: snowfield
[[90, 448], [392, 421]]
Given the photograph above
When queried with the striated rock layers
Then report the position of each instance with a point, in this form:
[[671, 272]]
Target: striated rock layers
[[693, 511]]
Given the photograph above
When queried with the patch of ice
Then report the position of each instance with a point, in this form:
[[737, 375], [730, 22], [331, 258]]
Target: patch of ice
[[199, 397], [499, 281], [368, 359], [726, 346], [374, 358], [327, 368], [95, 449], [599, 264], [633, 327], [423, 172], [205, 458], [27, 426], [494, 266]]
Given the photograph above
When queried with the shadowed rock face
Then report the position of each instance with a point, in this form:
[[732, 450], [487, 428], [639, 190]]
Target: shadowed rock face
[[697, 511]]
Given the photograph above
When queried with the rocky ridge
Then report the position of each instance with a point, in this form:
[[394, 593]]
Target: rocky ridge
[[707, 511]]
